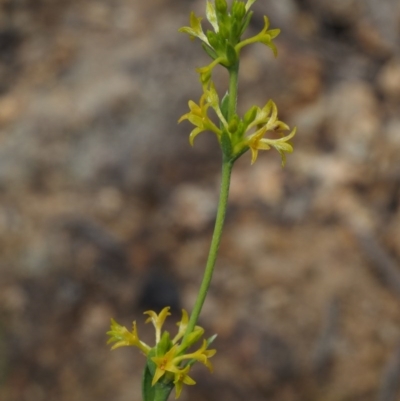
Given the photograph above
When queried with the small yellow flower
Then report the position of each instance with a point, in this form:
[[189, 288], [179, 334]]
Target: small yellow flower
[[181, 378], [174, 362], [123, 338], [195, 30], [256, 142], [206, 71], [165, 363], [268, 115], [201, 355], [213, 100], [265, 36], [265, 120], [171, 360], [157, 320], [199, 118]]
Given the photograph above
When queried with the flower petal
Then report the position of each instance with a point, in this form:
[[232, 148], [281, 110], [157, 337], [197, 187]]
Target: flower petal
[[195, 29], [212, 16], [158, 320], [185, 317], [249, 4]]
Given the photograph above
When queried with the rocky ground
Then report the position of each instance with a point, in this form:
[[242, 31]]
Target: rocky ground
[[106, 211]]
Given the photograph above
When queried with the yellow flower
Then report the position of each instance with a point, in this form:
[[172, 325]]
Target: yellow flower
[[256, 142], [168, 356], [165, 363], [201, 355], [171, 360], [265, 120], [213, 100], [181, 378], [265, 37], [199, 118], [123, 338], [195, 29], [206, 71], [268, 115], [157, 320]]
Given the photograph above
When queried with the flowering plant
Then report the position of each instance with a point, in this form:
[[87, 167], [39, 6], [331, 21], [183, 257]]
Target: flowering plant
[[169, 361]]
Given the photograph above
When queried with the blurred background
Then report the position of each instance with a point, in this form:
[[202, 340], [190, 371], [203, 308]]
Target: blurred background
[[106, 211]]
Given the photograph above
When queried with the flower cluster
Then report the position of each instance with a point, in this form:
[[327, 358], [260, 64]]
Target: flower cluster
[[236, 135], [167, 360], [243, 133], [223, 44]]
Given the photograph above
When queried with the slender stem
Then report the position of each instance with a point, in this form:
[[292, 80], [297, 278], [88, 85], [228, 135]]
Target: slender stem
[[216, 239], [233, 90], [246, 42], [227, 165]]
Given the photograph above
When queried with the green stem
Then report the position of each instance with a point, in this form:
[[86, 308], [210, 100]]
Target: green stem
[[227, 165], [233, 90], [212, 256]]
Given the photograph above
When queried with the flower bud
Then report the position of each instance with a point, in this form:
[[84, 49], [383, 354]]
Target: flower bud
[[221, 6], [250, 115]]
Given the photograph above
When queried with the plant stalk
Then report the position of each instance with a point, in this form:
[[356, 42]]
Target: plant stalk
[[227, 164], [212, 256]]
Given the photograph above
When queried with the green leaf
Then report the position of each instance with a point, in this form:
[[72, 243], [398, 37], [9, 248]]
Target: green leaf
[[209, 51], [158, 392], [211, 339], [216, 42], [161, 390], [226, 145], [225, 106], [148, 391]]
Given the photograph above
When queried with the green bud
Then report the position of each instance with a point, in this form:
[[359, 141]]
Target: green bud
[[240, 130], [164, 345], [233, 124], [238, 11], [221, 6], [250, 115], [235, 32], [205, 77], [195, 335]]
